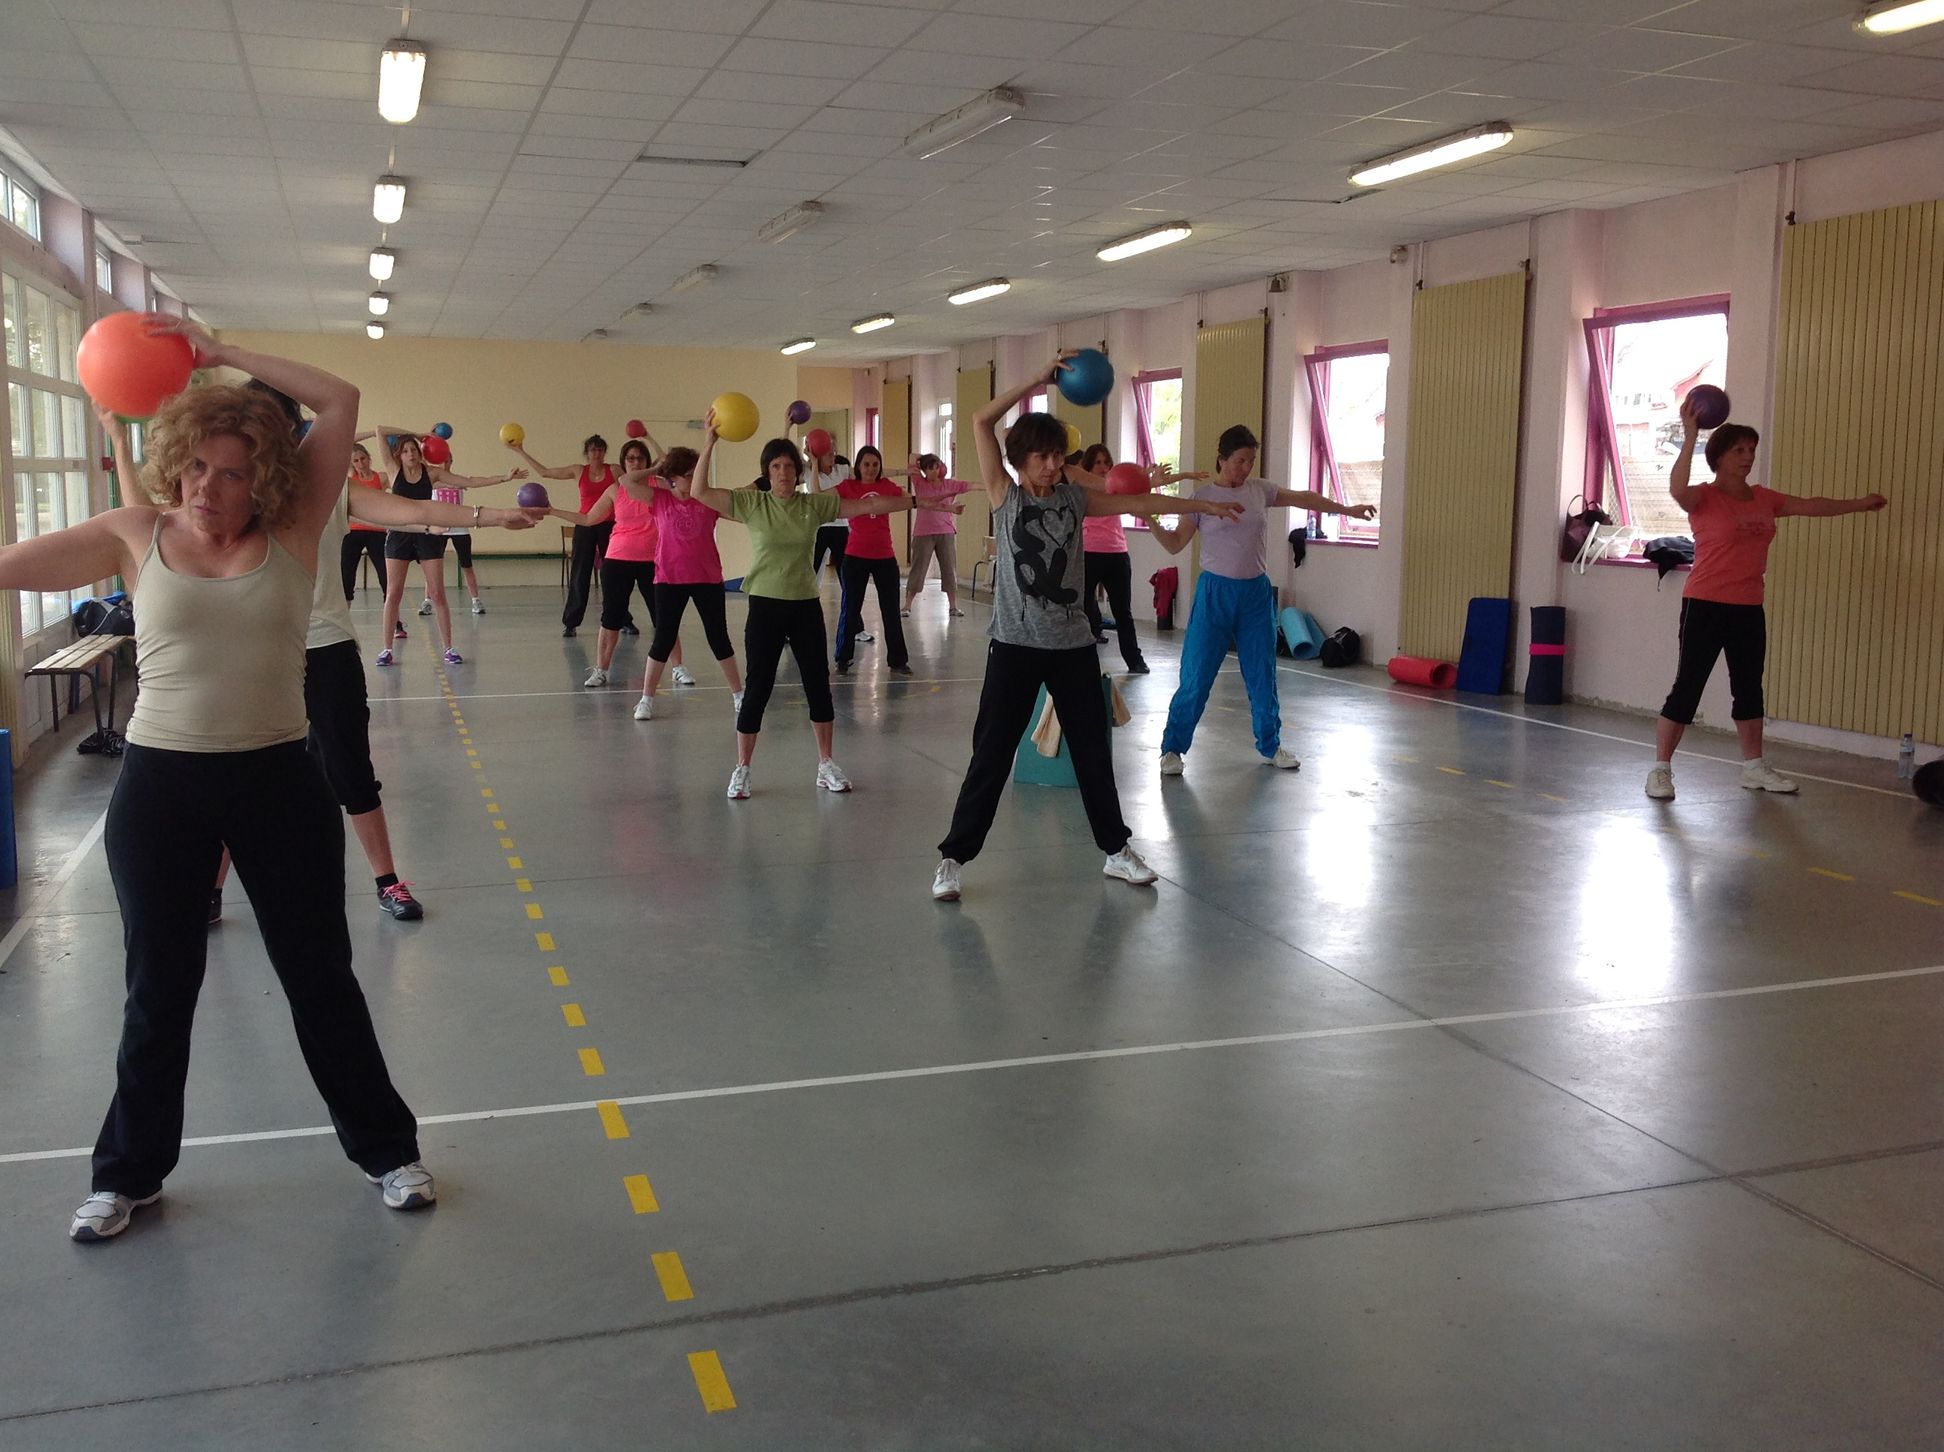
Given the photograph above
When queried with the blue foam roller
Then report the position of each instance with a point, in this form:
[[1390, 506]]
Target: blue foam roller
[[1300, 633]]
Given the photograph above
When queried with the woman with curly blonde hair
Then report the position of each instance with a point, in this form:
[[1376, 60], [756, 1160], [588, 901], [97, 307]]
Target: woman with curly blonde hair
[[223, 575]]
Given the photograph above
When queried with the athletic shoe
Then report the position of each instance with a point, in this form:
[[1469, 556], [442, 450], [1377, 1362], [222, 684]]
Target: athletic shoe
[[866, 636], [567, 632], [904, 614], [409, 1187], [900, 670], [630, 628], [384, 657], [1127, 865], [682, 676], [645, 709], [1283, 760], [956, 611], [735, 703], [104, 1215], [831, 777], [1171, 763], [739, 784], [425, 607], [398, 902], [1660, 782], [1137, 667], [843, 667], [1099, 639], [478, 607], [945, 882], [215, 906], [452, 657], [596, 677], [1759, 776], [398, 631]]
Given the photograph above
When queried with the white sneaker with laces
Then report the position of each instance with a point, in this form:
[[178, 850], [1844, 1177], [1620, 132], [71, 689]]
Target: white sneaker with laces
[[1127, 865], [596, 677], [1660, 782], [1284, 760], [866, 636], [1759, 776], [479, 607], [409, 1187], [739, 784], [1171, 763], [945, 882], [682, 676], [425, 607], [104, 1215], [831, 778], [735, 703], [645, 709]]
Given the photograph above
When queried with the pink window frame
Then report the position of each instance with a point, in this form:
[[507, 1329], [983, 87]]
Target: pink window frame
[[1602, 434], [1323, 465], [1144, 427]]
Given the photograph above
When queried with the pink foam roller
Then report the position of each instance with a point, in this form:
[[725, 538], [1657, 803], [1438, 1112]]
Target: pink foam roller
[[1413, 670]]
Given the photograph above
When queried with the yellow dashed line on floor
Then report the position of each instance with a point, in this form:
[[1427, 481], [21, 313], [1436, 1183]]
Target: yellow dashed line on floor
[[1493, 781], [515, 864], [611, 1120], [506, 843], [1451, 771], [544, 941], [524, 884], [641, 1194], [557, 976], [674, 1280], [591, 1064], [486, 792], [572, 1013], [710, 1380], [1918, 897], [1834, 876], [1551, 798], [533, 911]]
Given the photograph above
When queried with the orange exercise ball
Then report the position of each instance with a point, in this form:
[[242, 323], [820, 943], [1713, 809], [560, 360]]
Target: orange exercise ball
[[129, 370]]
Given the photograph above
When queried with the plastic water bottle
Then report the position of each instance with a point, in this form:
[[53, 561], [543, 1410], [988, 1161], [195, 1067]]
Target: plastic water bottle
[[1907, 758]]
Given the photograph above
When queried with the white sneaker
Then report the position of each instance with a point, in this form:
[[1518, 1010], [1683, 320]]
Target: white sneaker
[[1660, 782], [904, 615], [682, 676], [1759, 776], [478, 607], [830, 777], [1283, 760], [956, 612], [735, 703], [1127, 865], [866, 636], [1171, 763], [739, 784], [596, 677], [104, 1215], [425, 607], [945, 881], [409, 1187], [645, 709]]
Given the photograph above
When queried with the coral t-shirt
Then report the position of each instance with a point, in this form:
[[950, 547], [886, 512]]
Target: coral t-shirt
[[376, 481], [687, 554], [1731, 544], [870, 536], [591, 489], [634, 537]]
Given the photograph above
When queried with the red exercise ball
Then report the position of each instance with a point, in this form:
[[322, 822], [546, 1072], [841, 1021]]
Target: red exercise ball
[[436, 451], [637, 429], [817, 443], [129, 370], [1127, 479]]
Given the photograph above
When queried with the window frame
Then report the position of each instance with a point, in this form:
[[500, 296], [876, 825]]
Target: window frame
[[871, 426], [11, 181], [1324, 477], [1144, 430], [104, 269], [72, 468], [1602, 432], [947, 431]]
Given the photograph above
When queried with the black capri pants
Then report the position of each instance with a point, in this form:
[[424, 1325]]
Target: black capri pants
[[340, 725], [462, 549], [710, 606], [618, 577], [773, 624], [358, 542], [1708, 629]]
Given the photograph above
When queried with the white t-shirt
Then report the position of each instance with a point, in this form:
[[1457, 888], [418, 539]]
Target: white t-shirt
[[823, 483]]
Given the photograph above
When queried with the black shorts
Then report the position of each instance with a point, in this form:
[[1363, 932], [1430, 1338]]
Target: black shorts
[[340, 724], [401, 545], [462, 547]]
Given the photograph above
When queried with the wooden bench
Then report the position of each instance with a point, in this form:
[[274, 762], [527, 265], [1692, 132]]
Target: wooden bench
[[81, 660]]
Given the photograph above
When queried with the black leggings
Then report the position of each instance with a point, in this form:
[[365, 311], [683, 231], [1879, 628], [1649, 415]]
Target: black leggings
[[1115, 571], [669, 603], [1014, 674], [361, 542], [773, 624], [1708, 627], [856, 573], [831, 539], [618, 577], [171, 815]]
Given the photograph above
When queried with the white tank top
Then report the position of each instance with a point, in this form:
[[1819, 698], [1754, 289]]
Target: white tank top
[[330, 616], [221, 661]]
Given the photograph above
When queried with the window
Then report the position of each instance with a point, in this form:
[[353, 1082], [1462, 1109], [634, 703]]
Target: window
[[947, 431], [871, 427], [104, 270], [1349, 392], [48, 426], [20, 202], [1644, 361], [1157, 416], [1034, 402]]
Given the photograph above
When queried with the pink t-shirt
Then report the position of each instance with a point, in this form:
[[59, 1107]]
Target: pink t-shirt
[[936, 521], [687, 553], [1106, 534], [1731, 544], [633, 539]]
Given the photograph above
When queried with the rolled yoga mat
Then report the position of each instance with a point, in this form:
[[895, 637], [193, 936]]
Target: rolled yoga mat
[[1412, 670], [1546, 675]]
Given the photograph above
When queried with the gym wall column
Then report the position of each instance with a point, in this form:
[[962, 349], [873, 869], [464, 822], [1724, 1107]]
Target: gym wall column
[[894, 432], [972, 393]]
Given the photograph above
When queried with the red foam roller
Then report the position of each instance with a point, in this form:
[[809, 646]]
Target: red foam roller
[[1413, 670]]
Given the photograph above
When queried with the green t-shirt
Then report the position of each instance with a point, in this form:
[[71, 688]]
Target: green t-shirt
[[782, 533]]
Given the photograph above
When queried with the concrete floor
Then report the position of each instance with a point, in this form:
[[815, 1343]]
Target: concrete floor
[[1447, 1094]]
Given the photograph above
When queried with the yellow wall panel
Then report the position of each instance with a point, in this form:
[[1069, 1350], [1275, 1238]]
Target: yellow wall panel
[[1229, 379], [1467, 369], [894, 433], [972, 393]]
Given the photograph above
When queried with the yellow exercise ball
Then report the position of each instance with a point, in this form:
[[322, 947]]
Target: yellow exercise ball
[[512, 434], [1073, 439], [735, 417]]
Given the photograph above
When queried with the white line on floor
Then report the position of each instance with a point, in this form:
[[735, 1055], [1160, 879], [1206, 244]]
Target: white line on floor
[[31, 909], [882, 1076], [1396, 693], [675, 693]]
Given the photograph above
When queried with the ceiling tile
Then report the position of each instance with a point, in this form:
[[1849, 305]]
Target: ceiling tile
[[787, 57], [637, 45]]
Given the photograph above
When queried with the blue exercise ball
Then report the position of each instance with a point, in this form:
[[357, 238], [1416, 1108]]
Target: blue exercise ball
[[1087, 378], [443, 430]]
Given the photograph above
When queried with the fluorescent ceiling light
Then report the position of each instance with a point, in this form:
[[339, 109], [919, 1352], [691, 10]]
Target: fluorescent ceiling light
[[974, 118], [787, 224], [801, 345], [1162, 236], [379, 303], [640, 310], [388, 199], [1895, 19], [594, 335], [979, 291], [696, 276], [1446, 151], [383, 260], [401, 75], [374, 330], [656, 158], [873, 323]]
